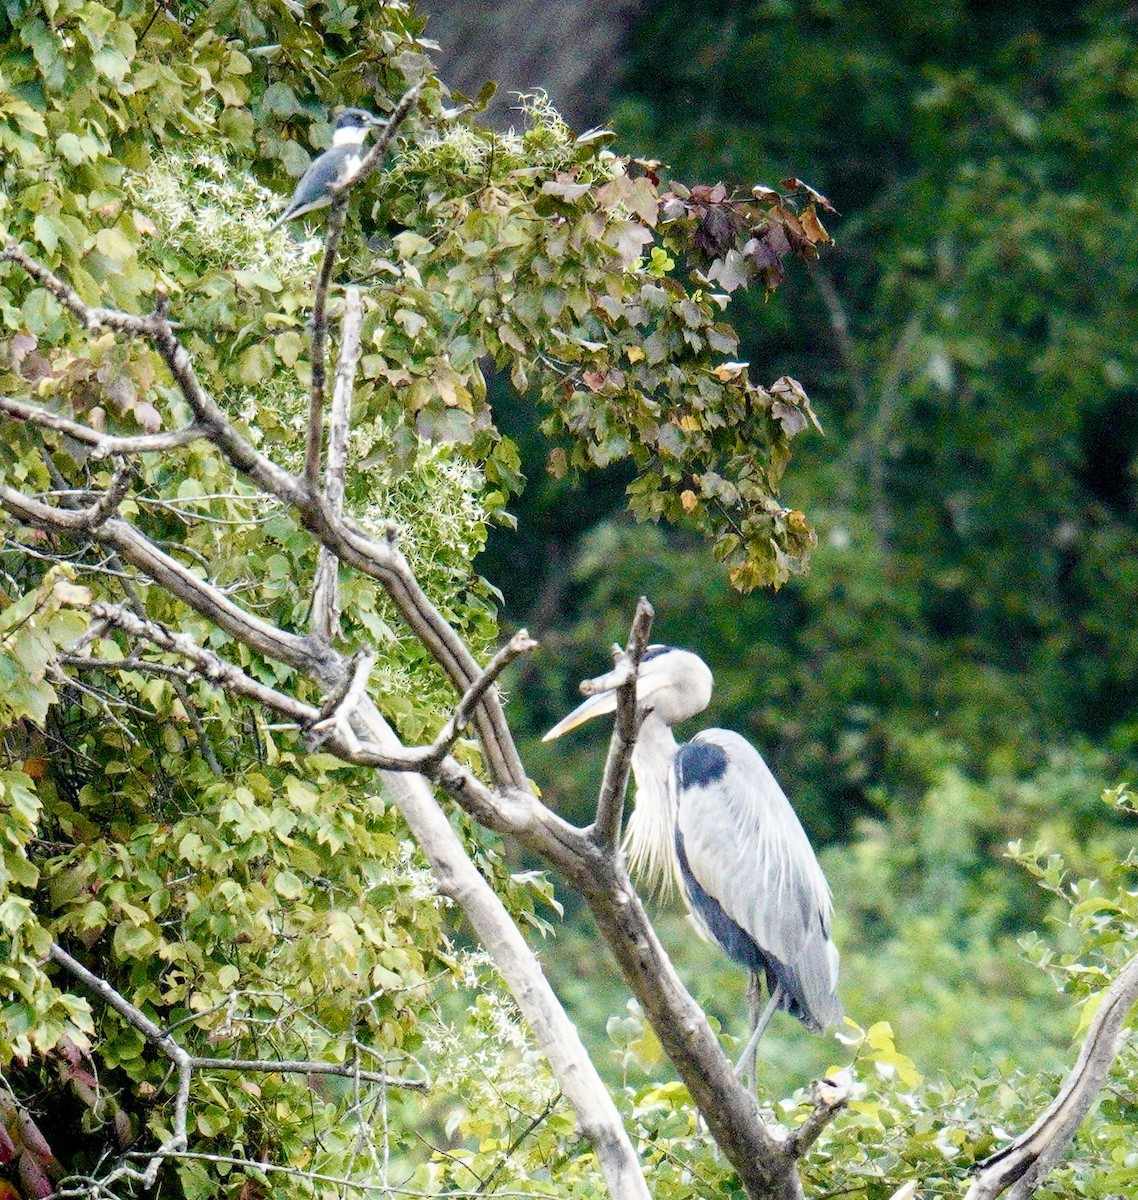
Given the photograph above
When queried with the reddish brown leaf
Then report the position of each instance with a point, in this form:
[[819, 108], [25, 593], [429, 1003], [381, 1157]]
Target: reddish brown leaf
[[814, 228], [796, 185], [716, 233], [22, 345], [765, 194], [792, 420], [28, 1132], [251, 1189], [35, 768], [33, 1178]]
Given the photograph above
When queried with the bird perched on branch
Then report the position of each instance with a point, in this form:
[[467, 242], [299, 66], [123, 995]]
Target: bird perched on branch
[[711, 818], [335, 167]]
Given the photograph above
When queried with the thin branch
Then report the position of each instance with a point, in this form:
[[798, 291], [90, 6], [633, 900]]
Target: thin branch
[[337, 217], [1025, 1163], [106, 504], [334, 230], [326, 593], [101, 698], [338, 1180], [534, 1123], [339, 707], [92, 317], [185, 1064], [521, 643], [290, 1066], [828, 1096], [840, 327], [103, 444], [382, 143], [329, 726], [211, 666], [137, 1019], [610, 804], [75, 520], [880, 431], [168, 573]]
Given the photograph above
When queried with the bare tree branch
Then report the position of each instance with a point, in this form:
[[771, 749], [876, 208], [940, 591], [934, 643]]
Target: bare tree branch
[[157, 1038], [379, 558], [336, 715], [333, 230], [521, 643], [103, 443], [551, 1027], [326, 593], [92, 317], [840, 327], [208, 665], [610, 804], [1024, 1164], [829, 1097], [186, 1064]]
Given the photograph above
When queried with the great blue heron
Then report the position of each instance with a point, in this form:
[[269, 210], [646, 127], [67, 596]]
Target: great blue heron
[[711, 817]]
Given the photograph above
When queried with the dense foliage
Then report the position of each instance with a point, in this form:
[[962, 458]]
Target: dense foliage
[[264, 902], [968, 345], [970, 338]]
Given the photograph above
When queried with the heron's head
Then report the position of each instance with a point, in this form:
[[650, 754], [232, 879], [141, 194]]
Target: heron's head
[[674, 684]]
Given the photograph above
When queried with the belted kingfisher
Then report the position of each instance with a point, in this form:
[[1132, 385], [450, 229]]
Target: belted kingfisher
[[335, 166]]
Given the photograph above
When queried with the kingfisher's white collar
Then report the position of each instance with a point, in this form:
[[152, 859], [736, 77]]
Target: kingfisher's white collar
[[350, 135]]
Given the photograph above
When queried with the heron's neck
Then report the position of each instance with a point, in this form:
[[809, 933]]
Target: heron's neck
[[650, 840]]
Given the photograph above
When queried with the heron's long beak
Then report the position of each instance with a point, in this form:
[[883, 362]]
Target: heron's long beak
[[595, 706], [651, 680]]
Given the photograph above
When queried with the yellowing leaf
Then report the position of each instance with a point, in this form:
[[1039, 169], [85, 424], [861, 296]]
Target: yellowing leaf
[[114, 244], [67, 592], [412, 323], [288, 886], [814, 228]]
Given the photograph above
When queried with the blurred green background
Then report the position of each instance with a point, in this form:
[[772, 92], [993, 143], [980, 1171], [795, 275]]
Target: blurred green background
[[957, 670]]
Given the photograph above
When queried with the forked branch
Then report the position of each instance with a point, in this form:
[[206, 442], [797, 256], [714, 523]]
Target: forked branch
[[378, 557]]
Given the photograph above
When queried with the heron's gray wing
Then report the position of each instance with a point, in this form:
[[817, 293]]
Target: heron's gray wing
[[746, 849]]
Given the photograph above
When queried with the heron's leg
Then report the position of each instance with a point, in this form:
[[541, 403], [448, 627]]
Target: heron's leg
[[754, 998], [746, 1064]]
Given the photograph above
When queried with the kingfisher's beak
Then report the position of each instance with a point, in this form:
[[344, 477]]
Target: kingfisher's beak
[[595, 706]]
